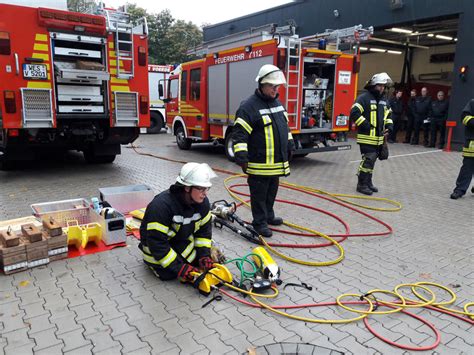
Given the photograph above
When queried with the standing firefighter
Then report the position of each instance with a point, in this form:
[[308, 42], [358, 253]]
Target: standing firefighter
[[372, 117], [176, 231], [263, 145], [467, 169]]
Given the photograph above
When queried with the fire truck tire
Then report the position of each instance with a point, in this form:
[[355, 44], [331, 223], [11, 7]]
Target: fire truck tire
[[229, 147], [181, 140], [5, 164], [92, 158], [156, 123]]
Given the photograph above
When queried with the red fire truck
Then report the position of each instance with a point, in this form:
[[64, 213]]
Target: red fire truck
[[203, 95], [71, 81]]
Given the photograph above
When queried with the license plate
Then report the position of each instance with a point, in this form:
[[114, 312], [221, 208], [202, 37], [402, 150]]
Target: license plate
[[341, 121], [35, 71]]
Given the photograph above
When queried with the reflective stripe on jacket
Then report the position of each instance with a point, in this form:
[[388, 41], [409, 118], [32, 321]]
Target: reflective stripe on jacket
[[371, 117], [468, 121], [262, 137], [173, 233]]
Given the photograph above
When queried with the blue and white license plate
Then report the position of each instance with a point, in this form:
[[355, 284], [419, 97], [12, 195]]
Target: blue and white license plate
[[35, 71]]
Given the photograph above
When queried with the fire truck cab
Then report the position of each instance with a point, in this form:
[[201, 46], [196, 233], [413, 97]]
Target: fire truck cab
[[71, 81], [203, 95]]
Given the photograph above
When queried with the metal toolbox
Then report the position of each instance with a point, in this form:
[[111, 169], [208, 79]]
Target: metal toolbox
[[127, 198], [113, 229]]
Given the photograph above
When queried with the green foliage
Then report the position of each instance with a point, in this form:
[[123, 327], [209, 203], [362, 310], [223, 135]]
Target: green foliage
[[80, 5], [169, 39]]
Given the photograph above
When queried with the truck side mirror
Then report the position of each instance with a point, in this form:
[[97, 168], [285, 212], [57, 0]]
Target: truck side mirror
[[160, 91]]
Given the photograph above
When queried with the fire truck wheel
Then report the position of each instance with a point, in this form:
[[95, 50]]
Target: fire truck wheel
[[92, 158], [5, 164], [229, 147], [183, 142], [156, 123]]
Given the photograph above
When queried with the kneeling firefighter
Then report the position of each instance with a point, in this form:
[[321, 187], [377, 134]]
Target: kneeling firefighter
[[176, 231], [372, 117]]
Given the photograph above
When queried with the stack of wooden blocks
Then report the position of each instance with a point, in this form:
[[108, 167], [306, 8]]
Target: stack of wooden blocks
[[57, 240], [33, 247]]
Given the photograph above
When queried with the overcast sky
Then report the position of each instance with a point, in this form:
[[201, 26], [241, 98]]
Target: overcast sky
[[203, 11]]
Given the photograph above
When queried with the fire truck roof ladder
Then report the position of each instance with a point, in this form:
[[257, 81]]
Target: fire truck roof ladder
[[352, 34], [293, 58], [120, 23]]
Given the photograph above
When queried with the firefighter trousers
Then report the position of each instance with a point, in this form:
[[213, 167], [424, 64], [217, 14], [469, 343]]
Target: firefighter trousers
[[369, 157], [465, 175], [263, 191]]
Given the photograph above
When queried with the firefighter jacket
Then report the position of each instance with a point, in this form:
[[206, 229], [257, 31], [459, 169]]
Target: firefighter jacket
[[439, 110], [411, 107], [422, 107], [371, 116], [396, 105], [173, 233], [468, 121], [262, 137]]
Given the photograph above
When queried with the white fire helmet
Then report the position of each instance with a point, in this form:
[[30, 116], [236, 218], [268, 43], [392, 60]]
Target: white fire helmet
[[270, 74], [379, 78], [195, 174]]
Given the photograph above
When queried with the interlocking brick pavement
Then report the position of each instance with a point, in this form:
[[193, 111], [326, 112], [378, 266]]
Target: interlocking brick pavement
[[111, 303]]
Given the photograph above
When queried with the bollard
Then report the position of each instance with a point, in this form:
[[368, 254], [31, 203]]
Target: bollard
[[449, 125]]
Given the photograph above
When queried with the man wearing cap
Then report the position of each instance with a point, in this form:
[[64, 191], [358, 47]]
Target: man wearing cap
[[263, 145], [372, 117], [176, 234]]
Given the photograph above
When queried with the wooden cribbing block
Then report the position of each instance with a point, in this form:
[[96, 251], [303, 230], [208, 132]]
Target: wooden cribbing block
[[52, 228], [59, 241], [9, 238], [36, 250], [31, 232], [13, 259]]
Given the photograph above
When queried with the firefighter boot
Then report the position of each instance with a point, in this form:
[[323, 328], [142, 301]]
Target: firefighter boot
[[362, 184], [370, 185]]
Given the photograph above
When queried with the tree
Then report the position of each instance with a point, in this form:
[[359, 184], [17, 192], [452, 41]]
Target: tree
[[83, 6], [183, 36]]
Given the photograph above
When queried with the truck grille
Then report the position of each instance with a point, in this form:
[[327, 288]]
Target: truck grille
[[126, 109], [37, 108]]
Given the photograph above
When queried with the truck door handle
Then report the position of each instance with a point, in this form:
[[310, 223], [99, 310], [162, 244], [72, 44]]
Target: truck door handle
[[17, 64], [199, 117]]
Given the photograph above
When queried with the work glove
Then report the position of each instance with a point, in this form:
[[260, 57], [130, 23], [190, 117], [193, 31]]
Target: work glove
[[185, 272], [206, 263], [244, 167]]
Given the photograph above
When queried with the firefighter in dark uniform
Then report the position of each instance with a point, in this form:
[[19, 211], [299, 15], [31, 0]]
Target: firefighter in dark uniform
[[396, 105], [263, 146], [467, 169], [176, 231], [439, 115], [422, 114], [371, 115], [410, 116]]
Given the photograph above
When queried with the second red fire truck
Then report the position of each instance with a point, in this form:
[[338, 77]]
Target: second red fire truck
[[71, 81], [203, 95]]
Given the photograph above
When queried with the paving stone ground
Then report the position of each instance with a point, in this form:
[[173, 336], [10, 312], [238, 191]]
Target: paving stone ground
[[111, 303]]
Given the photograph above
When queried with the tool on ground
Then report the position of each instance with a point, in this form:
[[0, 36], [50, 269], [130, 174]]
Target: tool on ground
[[265, 262], [224, 216], [205, 281]]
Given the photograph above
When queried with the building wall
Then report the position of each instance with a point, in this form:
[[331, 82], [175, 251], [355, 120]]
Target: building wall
[[314, 16]]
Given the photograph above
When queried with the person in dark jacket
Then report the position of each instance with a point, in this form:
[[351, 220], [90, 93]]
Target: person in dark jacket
[[467, 169], [410, 116], [263, 146], [396, 105], [176, 231], [439, 115], [371, 115], [422, 114]]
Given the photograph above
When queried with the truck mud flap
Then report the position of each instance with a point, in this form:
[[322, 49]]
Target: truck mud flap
[[323, 149]]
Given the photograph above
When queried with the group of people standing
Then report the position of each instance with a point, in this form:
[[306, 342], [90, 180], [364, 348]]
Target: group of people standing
[[422, 113]]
